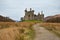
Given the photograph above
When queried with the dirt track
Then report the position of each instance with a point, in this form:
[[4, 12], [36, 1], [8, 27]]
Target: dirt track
[[44, 34]]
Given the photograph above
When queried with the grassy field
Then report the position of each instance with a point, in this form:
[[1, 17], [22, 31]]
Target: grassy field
[[16, 30], [24, 30], [54, 27]]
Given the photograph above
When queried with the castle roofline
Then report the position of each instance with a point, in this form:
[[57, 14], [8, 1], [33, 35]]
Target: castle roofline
[[29, 10]]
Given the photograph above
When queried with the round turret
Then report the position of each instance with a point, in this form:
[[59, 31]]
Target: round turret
[[38, 13], [31, 10], [26, 10], [42, 13]]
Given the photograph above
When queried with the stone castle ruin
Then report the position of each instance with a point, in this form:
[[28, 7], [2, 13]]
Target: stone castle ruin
[[29, 15]]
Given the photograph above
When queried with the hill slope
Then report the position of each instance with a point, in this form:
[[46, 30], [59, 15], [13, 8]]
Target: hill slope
[[55, 18], [5, 19]]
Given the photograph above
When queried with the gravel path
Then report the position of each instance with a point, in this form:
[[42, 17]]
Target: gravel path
[[44, 34]]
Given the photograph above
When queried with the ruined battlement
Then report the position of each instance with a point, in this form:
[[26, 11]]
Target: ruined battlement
[[29, 15]]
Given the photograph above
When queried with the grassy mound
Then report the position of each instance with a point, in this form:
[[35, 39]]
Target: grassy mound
[[35, 21]]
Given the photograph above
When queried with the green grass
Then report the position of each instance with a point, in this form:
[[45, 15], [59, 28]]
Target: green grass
[[33, 21], [26, 34], [30, 33]]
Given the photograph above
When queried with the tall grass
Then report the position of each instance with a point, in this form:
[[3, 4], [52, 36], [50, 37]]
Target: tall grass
[[16, 30], [54, 27]]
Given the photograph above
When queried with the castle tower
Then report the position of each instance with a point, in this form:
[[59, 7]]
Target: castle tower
[[30, 9], [25, 11], [39, 16], [42, 15], [29, 15]]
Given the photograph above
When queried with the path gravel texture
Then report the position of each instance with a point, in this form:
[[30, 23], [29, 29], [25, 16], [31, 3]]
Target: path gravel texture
[[44, 34]]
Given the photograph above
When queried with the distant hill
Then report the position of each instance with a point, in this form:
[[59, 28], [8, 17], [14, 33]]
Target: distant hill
[[5, 19], [55, 18]]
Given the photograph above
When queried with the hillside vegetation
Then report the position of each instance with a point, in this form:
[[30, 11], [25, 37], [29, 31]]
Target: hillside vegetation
[[16, 31]]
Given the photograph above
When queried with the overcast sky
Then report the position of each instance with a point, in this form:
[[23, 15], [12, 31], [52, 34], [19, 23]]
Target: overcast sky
[[15, 8]]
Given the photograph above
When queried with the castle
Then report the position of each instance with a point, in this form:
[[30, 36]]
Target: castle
[[29, 15]]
